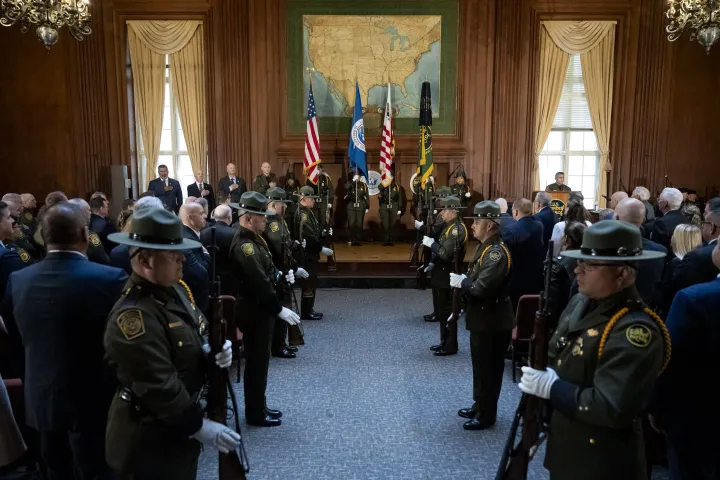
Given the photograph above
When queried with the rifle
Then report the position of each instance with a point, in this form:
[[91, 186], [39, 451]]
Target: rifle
[[457, 268], [415, 249], [515, 458], [421, 275], [332, 266], [234, 465]]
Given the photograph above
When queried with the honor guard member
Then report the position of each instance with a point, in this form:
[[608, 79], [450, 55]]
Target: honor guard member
[[420, 195], [265, 180], [279, 240], [358, 204], [603, 361], [292, 189], [309, 235], [461, 188], [453, 237], [489, 314], [325, 193], [152, 340], [27, 217], [392, 204], [257, 304]]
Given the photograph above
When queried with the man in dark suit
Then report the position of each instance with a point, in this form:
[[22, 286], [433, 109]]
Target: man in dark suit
[[197, 261], [59, 307], [649, 272], [683, 395], [506, 218], [167, 189], [202, 189], [224, 234], [524, 238], [99, 223], [669, 202], [232, 186], [545, 215]]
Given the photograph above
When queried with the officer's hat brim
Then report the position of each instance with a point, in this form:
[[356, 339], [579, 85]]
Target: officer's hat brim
[[132, 240], [585, 254], [247, 209], [477, 217], [279, 200], [300, 195]]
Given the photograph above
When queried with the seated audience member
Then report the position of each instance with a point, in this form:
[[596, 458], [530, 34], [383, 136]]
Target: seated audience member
[[96, 251], [195, 268], [615, 199], [524, 239], [122, 219], [684, 402], [51, 199], [224, 234], [562, 274], [574, 212], [190, 200], [643, 194], [545, 216], [128, 204], [120, 255], [606, 214], [669, 203], [206, 210], [686, 238], [505, 217]]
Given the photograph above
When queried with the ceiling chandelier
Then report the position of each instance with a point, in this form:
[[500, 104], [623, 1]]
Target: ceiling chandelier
[[701, 17], [49, 16]]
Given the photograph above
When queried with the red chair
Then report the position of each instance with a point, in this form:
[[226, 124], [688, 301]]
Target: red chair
[[524, 325]]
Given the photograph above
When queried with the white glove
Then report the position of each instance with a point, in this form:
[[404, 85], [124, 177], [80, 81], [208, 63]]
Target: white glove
[[429, 267], [290, 277], [428, 241], [537, 382], [216, 435], [367, 210], [356, 178], [302, 273], [330, 231], [399, 212], [418, 224], [456, 280], [224, 358], [327, 251], [304, 244], [467, 194], [329, 206], [289, 316]]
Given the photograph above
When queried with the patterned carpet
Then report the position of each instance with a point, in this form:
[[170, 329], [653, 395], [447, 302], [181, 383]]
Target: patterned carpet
[[366, 399]]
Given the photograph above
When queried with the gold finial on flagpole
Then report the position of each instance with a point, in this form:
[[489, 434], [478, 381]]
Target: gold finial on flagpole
[[310, 71]]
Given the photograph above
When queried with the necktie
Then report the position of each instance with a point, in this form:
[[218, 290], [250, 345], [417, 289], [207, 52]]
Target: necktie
[[166, 182]]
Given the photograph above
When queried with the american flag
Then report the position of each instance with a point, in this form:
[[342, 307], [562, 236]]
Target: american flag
[[312, 142], [387, 146]]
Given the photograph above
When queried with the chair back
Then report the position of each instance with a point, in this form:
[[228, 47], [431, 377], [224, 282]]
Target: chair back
[[525, 316]]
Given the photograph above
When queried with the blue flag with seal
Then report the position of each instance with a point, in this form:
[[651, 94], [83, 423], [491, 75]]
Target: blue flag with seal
[[356, 148]]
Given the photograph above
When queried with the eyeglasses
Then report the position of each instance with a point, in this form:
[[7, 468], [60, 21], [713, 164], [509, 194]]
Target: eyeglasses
[[593, 266]]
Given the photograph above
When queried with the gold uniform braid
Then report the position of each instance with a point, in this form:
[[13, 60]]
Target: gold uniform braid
[[187, 289], [663, 329]]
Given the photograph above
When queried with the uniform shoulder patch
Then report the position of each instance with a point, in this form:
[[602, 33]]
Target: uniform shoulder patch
[[455, 231], [304, 217], [131, 324], [494, 256], [95, 240], [24, 255], [28, 216], [638, 335], [248, 249], [274, 227]]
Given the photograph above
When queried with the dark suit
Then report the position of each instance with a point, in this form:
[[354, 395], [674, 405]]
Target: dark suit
[[664, 227], [172, 197], [120, 258], [506, 220], [103, 228], [11, 352], [524, 239], [59, 307], [548, 219], [193, 191], [695, 267], [649, 211], [235, 195], [223, 238], [683, 398], [650, 274], [196, 271]]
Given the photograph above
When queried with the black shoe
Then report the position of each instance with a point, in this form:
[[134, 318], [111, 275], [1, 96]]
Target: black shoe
[[475, 424], [312, 316], [313, 312], [292, 348], [467, 412], [273, 413], [268, 421], [443, 353], [284, 353], [436, 348], [431, 317]]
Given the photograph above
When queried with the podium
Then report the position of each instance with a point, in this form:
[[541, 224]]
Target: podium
[[558, 203]]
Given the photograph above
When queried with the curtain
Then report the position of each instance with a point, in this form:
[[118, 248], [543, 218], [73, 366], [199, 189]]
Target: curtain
[[595, 43], [187, 71], [182, 40], [553, 67]]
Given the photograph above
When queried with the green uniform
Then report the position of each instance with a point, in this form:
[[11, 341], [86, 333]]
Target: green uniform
[[554, 187], [152, 340], [420, 197], [490, 319], [324, 190], [460, 191], [25, 242], [391, 202], [96, 251], [308, 228], [292, 194], [595, 428], [454, 236], [278, 237], [357, 203], [256, 307], [262, 183], [29, 221], [26, 258]]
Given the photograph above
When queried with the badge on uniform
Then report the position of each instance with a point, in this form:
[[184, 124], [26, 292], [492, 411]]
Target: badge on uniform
[[494, 255], [95, 240], [638, 335], [28, 216], [274, 227], [247, 249], [455, 231], [131, 324], [304, 217], [577, 348], [24, 256], [592, 333]]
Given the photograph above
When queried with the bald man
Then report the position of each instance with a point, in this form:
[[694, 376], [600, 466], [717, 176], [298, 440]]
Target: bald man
[[232, 186], [95, 250], [197, 261], [224, 234], [649, 273], [265, 180], [505, 217]]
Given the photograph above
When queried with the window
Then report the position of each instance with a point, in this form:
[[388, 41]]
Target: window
[[173, 149], [572, 146]]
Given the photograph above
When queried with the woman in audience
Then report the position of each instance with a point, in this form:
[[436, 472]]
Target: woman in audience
[[574, 212], [122, 219], [562, 274], [685, 239]]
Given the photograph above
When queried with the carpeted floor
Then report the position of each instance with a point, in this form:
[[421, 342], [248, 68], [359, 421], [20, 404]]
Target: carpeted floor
[[366, 399]]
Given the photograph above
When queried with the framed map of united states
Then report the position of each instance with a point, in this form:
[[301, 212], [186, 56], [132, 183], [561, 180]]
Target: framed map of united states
[[379, 43]]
